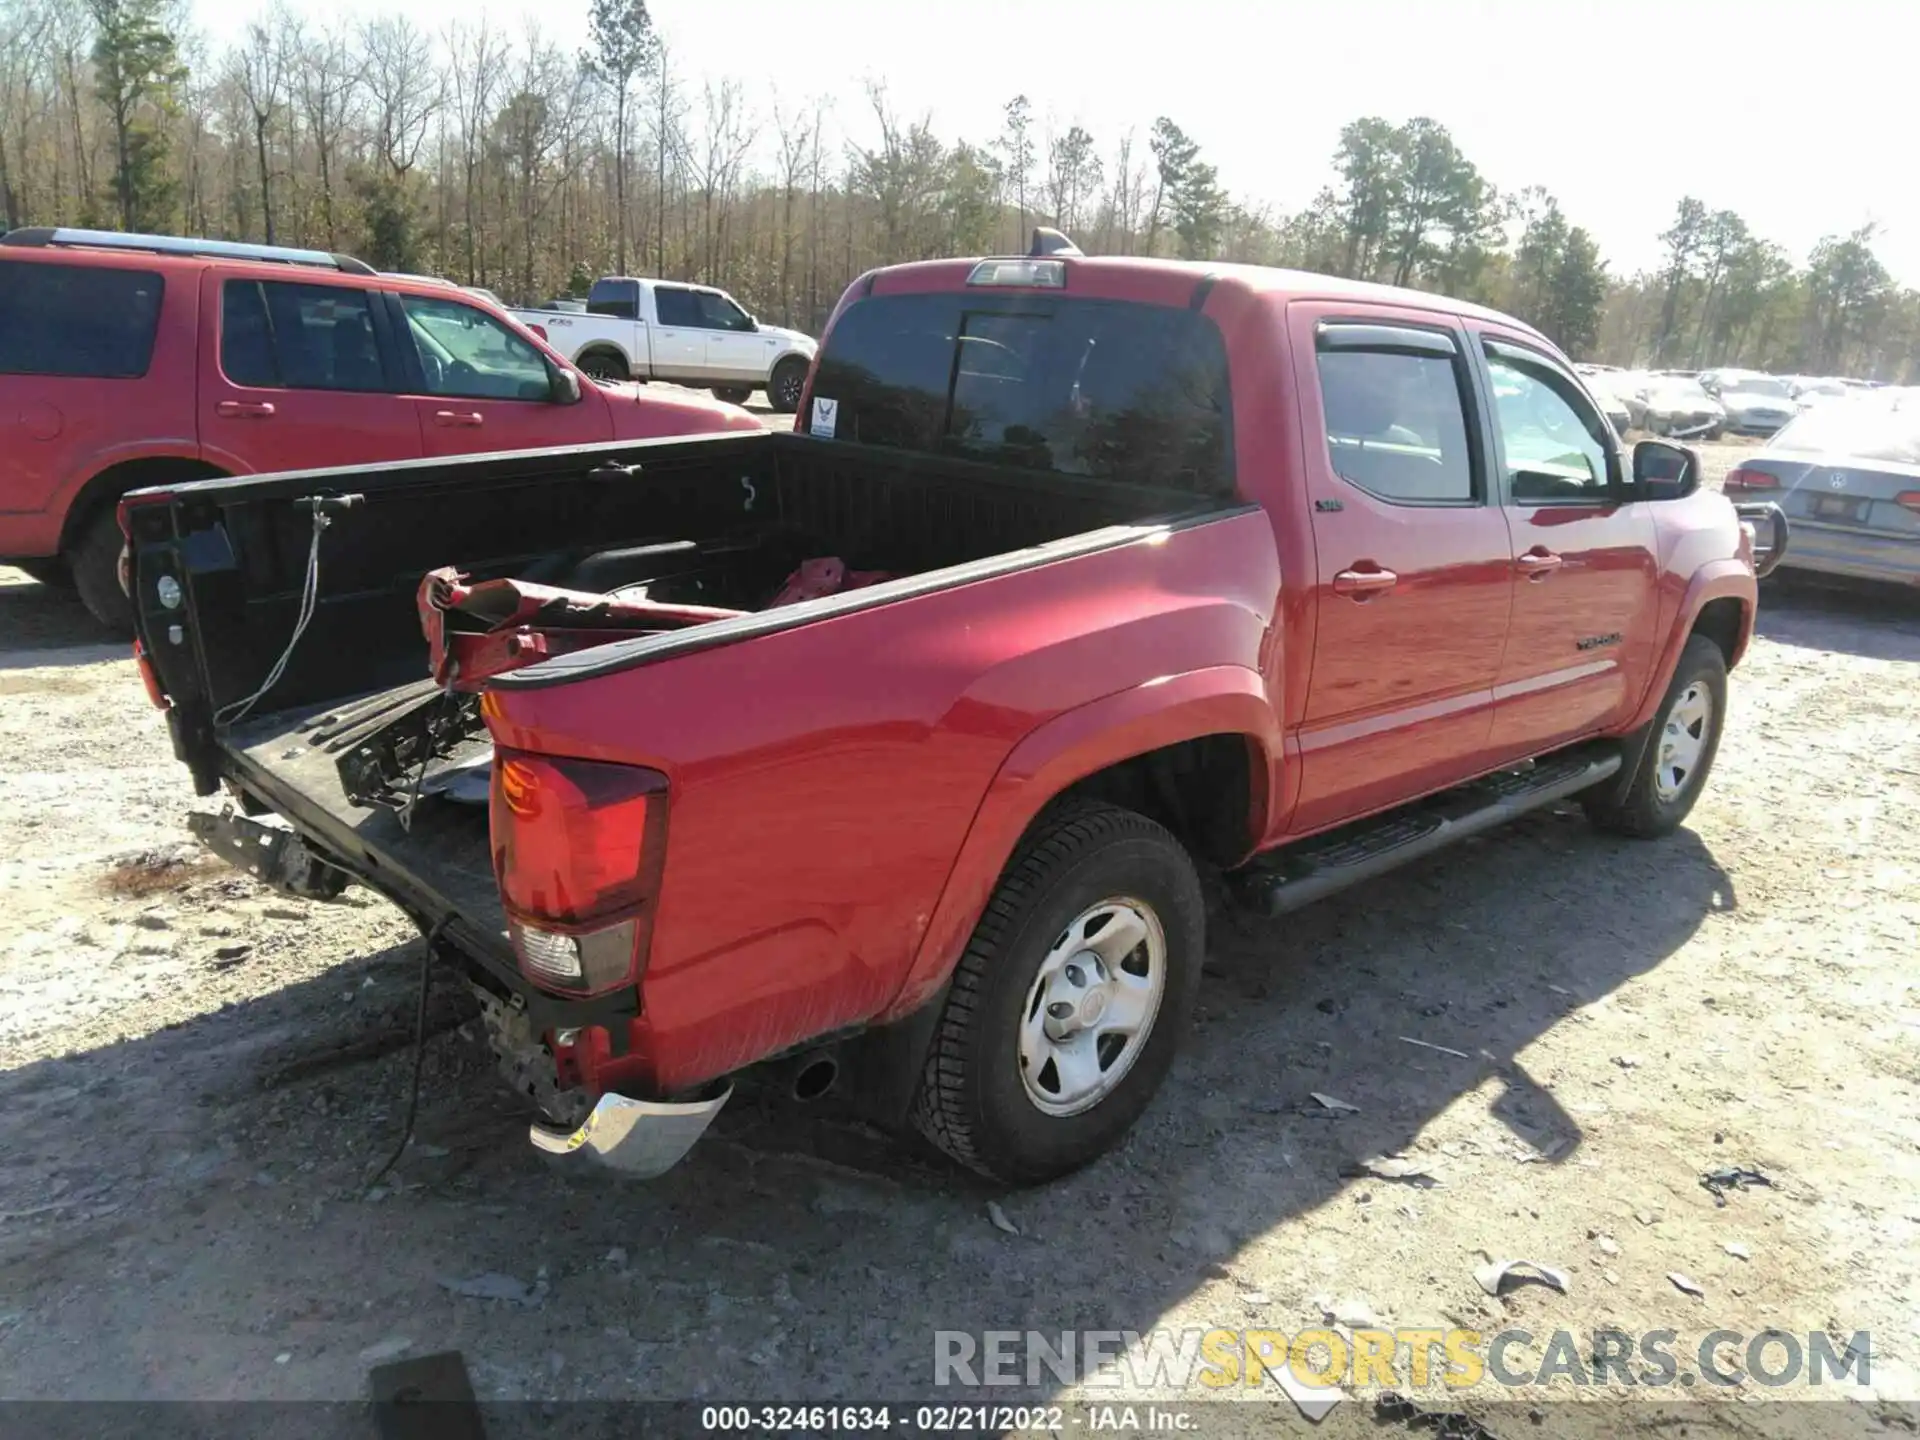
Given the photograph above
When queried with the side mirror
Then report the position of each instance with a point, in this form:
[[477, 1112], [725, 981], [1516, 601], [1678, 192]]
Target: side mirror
[[1665, 472], [566, 387]]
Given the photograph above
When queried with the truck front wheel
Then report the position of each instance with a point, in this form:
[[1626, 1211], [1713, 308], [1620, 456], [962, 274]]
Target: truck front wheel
[[1065, 1011], [1679, 754]]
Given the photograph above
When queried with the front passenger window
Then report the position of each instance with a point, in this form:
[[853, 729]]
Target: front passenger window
[[1554, 451], [465, 353]]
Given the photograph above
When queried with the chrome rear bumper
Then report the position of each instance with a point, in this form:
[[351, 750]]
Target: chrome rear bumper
[[638, 1139]]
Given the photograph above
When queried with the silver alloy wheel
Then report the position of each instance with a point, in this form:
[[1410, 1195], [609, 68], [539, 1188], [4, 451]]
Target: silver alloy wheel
[[1092, 1005], [790, 381], [1683, 740]]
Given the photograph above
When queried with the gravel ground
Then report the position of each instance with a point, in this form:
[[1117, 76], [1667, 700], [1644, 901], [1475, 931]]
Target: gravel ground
[[195, 1075]]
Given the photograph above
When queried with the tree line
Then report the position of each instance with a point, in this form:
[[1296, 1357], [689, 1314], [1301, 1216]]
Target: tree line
[[497, 158]]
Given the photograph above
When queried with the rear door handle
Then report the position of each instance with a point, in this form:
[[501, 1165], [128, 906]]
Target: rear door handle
[[1362, 583], [1538, 563], [468, 418], [245, 409]]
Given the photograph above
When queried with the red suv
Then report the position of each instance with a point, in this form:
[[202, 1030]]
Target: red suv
[[133, 360]]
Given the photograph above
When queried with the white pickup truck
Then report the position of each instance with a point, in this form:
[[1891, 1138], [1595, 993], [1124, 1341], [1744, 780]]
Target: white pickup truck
[[687, 334]]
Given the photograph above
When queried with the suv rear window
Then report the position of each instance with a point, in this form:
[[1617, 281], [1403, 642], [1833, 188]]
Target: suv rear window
[[95, 321], [1100, 388]]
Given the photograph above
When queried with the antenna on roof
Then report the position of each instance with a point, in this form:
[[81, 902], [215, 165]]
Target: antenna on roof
[[1048, 241]]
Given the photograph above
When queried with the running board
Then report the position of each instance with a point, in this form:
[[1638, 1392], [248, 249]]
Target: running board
[[1299, 874]]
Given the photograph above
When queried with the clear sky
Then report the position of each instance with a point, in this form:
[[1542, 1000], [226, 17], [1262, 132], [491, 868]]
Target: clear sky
[[1797, 116]]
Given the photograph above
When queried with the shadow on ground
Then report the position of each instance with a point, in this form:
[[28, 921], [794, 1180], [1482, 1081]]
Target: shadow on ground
[[47, 625], [1879, 622], [182, 1208]]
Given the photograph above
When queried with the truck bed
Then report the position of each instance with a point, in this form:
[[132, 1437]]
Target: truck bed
[[717, 521]]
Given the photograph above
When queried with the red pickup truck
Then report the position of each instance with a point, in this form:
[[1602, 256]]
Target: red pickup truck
[[892, 749], [133, 360]]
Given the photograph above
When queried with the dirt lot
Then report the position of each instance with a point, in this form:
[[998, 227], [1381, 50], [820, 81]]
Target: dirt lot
[[195, 1075]]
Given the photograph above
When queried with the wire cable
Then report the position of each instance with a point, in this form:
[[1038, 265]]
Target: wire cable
[[309, 601]]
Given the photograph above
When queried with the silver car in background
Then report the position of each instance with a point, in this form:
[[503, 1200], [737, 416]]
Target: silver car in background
[[1847, 475], [1677, 406], [1756, 404]]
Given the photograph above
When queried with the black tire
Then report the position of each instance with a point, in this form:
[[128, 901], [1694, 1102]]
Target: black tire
[[732, 394], [784, 385], [972, 1101], [1639, 809], [94, 561], [604, 365]]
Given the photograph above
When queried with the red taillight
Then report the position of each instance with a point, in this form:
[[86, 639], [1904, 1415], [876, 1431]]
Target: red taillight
[[1908, 500], [150, 677], [1745, 480], [539, 330], [577, 849]]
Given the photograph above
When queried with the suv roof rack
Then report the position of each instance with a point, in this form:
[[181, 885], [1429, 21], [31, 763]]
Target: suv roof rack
[[182, 245]]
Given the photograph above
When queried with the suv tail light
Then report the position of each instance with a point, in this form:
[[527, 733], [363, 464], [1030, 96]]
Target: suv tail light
[[1746, 480], [578, 847], [1908, 500]]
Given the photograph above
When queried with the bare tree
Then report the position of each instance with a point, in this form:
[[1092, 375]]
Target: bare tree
[[260, 72], [478, 57], [327, 74], [403, 84]]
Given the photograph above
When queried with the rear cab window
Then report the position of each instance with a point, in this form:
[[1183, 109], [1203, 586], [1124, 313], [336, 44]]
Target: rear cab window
[[90, 321], [1110, 390]]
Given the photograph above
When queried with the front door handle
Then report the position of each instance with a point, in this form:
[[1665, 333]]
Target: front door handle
[[245, 409], [468, 418], [1363, 584], [1538, 563]]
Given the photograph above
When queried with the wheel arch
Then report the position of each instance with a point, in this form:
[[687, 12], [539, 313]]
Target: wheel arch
[[610, 347], [1179, 746], [1722, 595], [107, 486], [1726, 622]]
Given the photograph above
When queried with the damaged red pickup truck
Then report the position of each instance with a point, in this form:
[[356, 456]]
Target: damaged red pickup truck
[[892, 748]]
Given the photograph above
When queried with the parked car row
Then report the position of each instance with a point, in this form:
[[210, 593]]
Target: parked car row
[[1706, 404]]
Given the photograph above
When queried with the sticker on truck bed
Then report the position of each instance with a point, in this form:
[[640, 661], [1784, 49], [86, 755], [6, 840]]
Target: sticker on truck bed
[[826, 413]]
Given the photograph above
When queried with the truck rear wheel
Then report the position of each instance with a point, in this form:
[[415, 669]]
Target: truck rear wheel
[[784, 385], [604, 365], [1066, 1009], [94, 561], [1679, 755]]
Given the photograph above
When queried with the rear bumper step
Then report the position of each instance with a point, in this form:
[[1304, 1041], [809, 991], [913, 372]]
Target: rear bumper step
[[1315, 868], [638, 1139]]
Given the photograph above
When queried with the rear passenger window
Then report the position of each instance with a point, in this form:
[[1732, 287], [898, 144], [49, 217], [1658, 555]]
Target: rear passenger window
[[283, 336], [1395, 424], [676, 306], [91, 321]]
